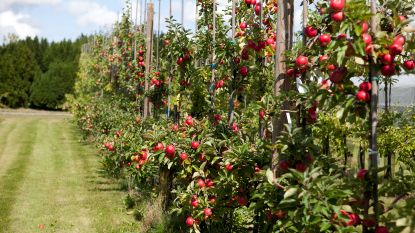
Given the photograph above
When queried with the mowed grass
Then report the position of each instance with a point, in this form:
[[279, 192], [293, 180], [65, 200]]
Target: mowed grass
[[49, 181]]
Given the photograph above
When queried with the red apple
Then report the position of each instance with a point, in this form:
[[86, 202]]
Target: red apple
[[242, 26], [409, 64], [367, 39], [365, 27], [284, 165], [395, 49], [244, 70], [399, 39], [310, 32], [363, 96], [388, 70], [229, 167], [387, 59], [200, 183], [325, 40], [209, 183], [337, 5], [300, 167], [183, 156], [189, 120], [170, 150], [365, 86], [381, 229], [337, 75], [337, 16], [207, 212], [301, 61], [190, 221], [179, 61], [361, 174], [195, 145]]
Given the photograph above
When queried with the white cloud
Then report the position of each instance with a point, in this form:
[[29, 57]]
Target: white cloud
[[88, 12], [16, 23], [7, 4]]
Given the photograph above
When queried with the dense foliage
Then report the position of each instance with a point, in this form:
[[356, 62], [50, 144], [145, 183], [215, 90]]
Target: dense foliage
[[36, 73], [225, 150]]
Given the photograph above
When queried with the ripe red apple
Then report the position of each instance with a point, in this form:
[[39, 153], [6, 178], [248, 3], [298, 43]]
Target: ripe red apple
[[179, 61], [212, 199], [209, 183], [229, 167], [387, 59], [402, 18], [300, 167], [242, 26], [194, 202], [310, 31], [365, 27], [361, 174], [248, 2], [337, 75], [409, 64], [261, 114], [207, 212], [381, 229], [270, 41], [242, 201], [158, 147], [144, 155], [395, 49], [323, 58], [337, 5], [189, 120], [399, 39], [363, 96], [174, 127], [166, 42], [301, 62], [388, 70], [195, 145], [237, 60], [284, 165], [367, 38], [183, 156], [244, 70], [202, 157], [324, 40], [190, 221], [170, 150], [200, 183], [365, 86], [338, 16], [290, 72]]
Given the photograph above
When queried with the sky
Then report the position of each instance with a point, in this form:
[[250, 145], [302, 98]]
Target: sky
[[59, 19]]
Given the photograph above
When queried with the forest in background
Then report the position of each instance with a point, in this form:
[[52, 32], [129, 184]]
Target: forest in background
[[36, 73]]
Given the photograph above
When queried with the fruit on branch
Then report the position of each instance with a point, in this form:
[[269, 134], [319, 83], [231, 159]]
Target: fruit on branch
[[310, 31], [388, 70], [337, 5], [367, 38], [189, 120], [324, 40], [284, 165], [301, 167], [381, 229], [361, 174], [387, 59], [337, 75], [195, 145], [209, 183], [365, 86], [229, 167], [244, 71], [207, 212], [190, 221], [200, 183], [301, 62], [158, 147], [183, 156], [170, 150], [243, 26], [365, 27], [363, 96], [262, 114], [409, 64], [338, 16]]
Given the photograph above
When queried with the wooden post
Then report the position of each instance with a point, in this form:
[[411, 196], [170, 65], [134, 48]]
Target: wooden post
[[373, 121], [158, 36], [234, 72], [284, 33], [212, 62], [149, 39]]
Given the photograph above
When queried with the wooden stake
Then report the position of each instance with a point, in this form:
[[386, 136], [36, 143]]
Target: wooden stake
[[149, 39], [373, 118]]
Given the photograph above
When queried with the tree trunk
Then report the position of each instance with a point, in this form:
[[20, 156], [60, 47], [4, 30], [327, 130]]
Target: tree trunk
[[165, 181]]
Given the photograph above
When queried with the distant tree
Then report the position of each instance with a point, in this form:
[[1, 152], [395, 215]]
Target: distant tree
[[49, 89]]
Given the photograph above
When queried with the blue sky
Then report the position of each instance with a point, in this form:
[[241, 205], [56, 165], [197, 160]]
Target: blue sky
[[59, 19]]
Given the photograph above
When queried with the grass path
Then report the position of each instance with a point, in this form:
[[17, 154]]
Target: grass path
[[49, 181]]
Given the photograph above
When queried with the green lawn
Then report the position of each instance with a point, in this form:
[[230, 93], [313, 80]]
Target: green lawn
[[49, 180]]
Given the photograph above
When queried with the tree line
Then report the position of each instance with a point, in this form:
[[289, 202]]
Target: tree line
[[36, 73]]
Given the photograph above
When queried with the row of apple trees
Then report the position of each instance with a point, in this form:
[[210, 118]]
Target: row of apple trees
[[232, 137]]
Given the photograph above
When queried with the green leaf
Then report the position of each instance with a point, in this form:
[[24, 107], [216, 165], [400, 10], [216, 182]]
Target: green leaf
[[270, 176], [290, 192]]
